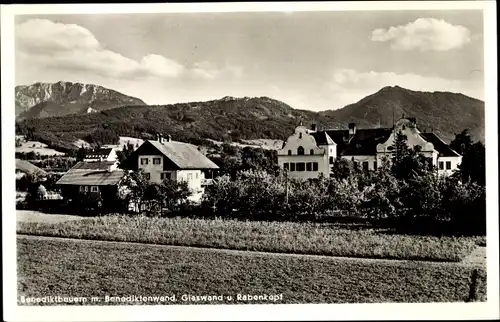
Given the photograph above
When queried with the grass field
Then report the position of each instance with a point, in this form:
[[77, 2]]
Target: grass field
[[286, 237], [59, 267]]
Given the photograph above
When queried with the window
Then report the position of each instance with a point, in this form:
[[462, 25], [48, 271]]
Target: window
[[165, 175], [292, 167], [86, 188], [300, 150], [365, 165], [82, 188], [286, 166], [156, 160], [448, 165], [309, 166], [300, 135], [289, 152], [94, 189], [144, 161], [375, 165], [197, 175], [331, 160], [301, 166], [190, 176], [315, 166], [147, 175], [441, 165], [311, 152]]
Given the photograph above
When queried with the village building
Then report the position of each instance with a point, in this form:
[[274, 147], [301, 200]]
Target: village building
[[309, 152], [163, 159], [96, 180], [24, 167], [102, 154]]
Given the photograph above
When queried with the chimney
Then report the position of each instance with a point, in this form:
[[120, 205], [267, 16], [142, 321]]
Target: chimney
[[352, 129], [314, 127], [169, 138]]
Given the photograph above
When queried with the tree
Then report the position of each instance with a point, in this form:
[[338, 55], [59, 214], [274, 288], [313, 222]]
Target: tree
[[342, 168], [81, 153], [462, 142], [41, 193], [473, 166], [135, 184], [174, 193], [127, 150], [408, 162]]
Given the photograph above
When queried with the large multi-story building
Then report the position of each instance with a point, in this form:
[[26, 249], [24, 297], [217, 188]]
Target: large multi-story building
[[309, 152], [163, 159]]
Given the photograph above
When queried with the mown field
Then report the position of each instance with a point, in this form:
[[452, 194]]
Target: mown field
[[281, 237], [64, 267]]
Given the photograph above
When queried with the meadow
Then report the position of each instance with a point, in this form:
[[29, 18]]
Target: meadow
[[64, 267], [278, 237]]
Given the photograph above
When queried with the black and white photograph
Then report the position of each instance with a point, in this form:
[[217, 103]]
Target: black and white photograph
[[240, 161]]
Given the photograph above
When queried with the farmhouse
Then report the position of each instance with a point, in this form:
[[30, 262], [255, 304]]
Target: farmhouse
[[166, 159], [24, 167], [309, 152], [95, 180]]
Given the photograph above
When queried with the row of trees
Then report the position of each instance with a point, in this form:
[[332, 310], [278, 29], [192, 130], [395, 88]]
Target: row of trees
[[405, 190]]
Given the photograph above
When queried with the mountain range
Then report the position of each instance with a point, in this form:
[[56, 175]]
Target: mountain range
[[231, 118], [62, 98]]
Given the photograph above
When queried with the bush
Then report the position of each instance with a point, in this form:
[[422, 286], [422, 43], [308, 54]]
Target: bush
[[465, 205]]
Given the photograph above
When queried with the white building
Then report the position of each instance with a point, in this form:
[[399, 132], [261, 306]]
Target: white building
[[309, 152], [164, 159], [100, 155]]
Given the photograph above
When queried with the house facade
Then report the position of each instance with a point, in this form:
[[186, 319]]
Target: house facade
[[163, 159], [309, 152], [99, 181], [102, 154]]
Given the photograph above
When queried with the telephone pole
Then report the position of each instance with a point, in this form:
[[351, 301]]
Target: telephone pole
[[286, 187]]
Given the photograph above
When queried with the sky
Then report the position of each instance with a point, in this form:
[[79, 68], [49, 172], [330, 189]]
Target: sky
[[310, 60]]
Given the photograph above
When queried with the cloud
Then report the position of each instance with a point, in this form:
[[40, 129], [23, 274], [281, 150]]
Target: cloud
[[209, 71], [424, 34], [75, 49]]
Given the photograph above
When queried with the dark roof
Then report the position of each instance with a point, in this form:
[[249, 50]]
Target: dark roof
[[364, 141], [102, 152], [28, 167], [322, 138], [440, 146], [184, 155], [102, 165], [92, 173]]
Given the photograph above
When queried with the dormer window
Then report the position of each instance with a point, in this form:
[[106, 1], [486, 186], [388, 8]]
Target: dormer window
[[300, 150], [289, 152], [300, 135]]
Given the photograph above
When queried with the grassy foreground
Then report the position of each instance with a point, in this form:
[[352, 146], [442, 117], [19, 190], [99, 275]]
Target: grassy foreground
[[285, 237], [78, 268]]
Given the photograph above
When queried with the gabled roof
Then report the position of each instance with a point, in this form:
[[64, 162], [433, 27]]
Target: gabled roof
[[184, 155], [92, 173], [101, 153], [28, 167], [322, 138], [363, 142], [440, 146]]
